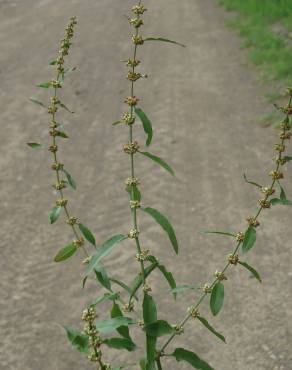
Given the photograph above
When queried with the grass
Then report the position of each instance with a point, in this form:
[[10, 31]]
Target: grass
[[266, 27]]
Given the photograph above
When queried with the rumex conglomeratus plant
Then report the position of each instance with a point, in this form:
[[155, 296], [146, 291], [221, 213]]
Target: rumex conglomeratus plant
[[125, 313]]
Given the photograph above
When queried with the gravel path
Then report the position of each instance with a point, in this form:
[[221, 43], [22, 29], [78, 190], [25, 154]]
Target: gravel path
[[203, 102]]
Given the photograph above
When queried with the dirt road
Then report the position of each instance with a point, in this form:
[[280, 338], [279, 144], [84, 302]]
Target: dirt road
[[203, 102]]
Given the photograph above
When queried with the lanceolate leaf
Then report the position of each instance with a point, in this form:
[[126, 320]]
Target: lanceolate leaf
[[134, 192], [116, 123], [53, 62], [249, 239], [54, 214], [102, 276], [217, 298], [158, 328], [117, 312], [65, 253], [138, 280], [288, 158], [70, 179], [35, 145], [65, 107], [120, 343], [167, 274], [110, 325], [165, 224], [150, 316], [284, 202], [37, 102], [163, 40], [106, 297], [103, 251], [63, 135], [146, 124], [251, 269], [251, 182], [125, 287], [78, 340], [142, 364], [44, 85], [160, 161], [220, 232], [191, 358], [87, 233], [209, 327], [184, 288]]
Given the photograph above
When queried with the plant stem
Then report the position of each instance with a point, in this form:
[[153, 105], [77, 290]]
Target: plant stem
[[158, 362], [203, 296]]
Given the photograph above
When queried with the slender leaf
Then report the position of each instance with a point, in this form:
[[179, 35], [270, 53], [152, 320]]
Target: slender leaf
[[288, 158], [191, 358], [63, 135], [251, 269], [44, 85], [167, 274], [284, 202], [184, 288], [164, 40], [116, 123], [160, 161], [65, 107], [251, 182], [249, 239], [117, 312], [103, 251], [220, 232], [135, 193], [125, 287], [158, 328], [209, 327], [87, 234], [136, 284], [110, 325], [54, 214], [142, 364], [78, 340], [217, 298], [35, 145], [70, 179], [37, 102], [65, 253], [102, 276], [105, 297], [120, 343], [165, 224], [147, 126]]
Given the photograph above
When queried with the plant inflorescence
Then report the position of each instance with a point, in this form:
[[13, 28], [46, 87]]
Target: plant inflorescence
[[125, 313]]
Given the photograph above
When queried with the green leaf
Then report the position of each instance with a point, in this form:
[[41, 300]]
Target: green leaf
[[120, 343], [117, 312], [65, 107], [78, 340], [288, 158], [147, 126], [191, 358], [54, 214], [110, 325], [183, 288], [53, 62], [217, 298], [102, 276], [251, 269], [160, 161], [165, 224], [138, 281], [220, 232], [63, 135], [65, 253], [35, 145], [37, 102], [105, 297], [284, 202], [150, 316], [167, 274], [209, 327], [249, 239], [135, 193], [158, 328], [282, 193], [164, 40], [116, 123], [70, 179], [87, 234], [251, 182], [142, 364], [45, 85], [125, 287], [103, 251]]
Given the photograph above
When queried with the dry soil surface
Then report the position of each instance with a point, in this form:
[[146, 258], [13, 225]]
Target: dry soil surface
[[203, 101]]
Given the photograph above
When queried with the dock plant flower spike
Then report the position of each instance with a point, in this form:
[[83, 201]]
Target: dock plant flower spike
[[134, 306]]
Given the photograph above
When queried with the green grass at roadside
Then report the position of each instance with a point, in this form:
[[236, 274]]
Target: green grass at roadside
[[266, 28]]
